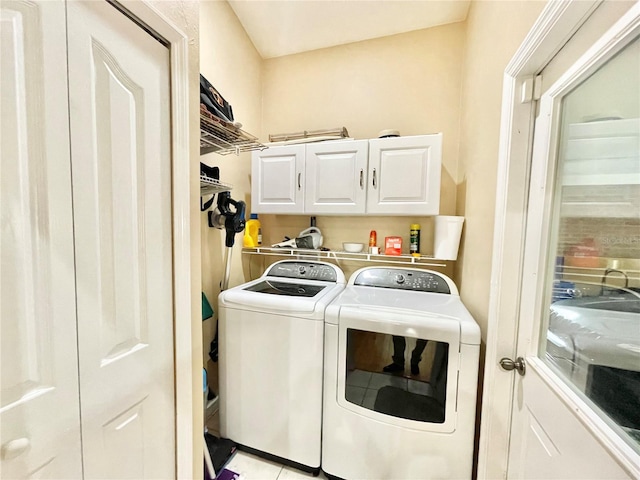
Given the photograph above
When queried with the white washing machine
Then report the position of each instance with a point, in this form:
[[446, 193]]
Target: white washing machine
[[271, 358], [391, 412]]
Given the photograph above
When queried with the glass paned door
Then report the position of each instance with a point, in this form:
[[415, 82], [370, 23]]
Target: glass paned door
[[593, 277]]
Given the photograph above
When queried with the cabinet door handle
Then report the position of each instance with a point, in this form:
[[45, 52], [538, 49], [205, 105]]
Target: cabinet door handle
[[361, 179], [299, 179], [374, 178]]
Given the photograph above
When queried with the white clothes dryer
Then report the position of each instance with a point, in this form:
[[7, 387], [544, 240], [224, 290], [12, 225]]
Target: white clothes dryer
[[271, 360], [400, 378]]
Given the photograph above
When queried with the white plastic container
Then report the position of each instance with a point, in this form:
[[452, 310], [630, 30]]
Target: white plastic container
[[448, 230]]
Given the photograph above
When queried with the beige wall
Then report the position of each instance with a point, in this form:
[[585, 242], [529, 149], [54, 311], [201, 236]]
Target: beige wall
[[230, 62], [495, 30], [444, 79], [409, 82]]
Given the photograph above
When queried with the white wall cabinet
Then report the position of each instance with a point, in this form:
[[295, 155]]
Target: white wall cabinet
[[86, 244], [390, 176], [335, 178], [277, 180], [404, 175]]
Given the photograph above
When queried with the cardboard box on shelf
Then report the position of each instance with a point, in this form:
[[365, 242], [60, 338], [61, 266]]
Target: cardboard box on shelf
[[393, 245]]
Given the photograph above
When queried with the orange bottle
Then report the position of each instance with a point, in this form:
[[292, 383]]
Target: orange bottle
[[373, 238]]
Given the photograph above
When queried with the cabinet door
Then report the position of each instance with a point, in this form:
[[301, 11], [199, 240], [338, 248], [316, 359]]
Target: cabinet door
[[335, 177], [404, 175], [277, 180], [39, 404], [121, 163]]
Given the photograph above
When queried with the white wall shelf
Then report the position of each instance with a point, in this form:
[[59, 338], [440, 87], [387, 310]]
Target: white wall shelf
[[309, 254], [224, 138], [209, 186]]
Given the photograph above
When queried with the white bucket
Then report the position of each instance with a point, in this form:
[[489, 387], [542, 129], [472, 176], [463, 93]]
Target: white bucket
[[448, 230]]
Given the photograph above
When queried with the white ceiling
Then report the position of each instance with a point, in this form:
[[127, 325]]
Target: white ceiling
[[283, 27]]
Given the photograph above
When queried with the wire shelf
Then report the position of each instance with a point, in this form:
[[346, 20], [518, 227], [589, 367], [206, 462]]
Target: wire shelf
[[209, 186], [217, 135], [302, 253]]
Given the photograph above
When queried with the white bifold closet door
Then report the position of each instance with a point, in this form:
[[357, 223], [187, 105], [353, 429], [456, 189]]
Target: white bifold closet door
[[86, 281], [39, 411], [121, 166]]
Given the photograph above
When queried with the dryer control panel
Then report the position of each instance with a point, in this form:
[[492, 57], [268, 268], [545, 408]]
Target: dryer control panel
[[403, 279], [299, 270]]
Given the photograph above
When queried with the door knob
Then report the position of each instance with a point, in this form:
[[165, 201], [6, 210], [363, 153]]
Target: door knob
[[14, 448], [519, 365]]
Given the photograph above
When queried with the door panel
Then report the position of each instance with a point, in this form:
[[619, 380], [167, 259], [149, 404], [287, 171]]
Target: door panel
[[119, 161], [39, 406], [404, 175], [550, 432], [277, 180], [119, 84], [336, 180], [580, 307]]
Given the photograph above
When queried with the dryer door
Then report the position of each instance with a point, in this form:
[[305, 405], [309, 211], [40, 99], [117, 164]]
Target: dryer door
[[399, 367]]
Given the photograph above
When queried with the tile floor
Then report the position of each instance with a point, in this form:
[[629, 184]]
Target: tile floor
[[251, 467]]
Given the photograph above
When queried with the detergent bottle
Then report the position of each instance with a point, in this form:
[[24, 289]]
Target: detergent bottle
[[252, 232]]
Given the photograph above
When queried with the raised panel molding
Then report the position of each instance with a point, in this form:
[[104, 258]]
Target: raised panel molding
[[25, 298], [123, 438], [119, 162], [410, 165], [330, 188], [274, 169]]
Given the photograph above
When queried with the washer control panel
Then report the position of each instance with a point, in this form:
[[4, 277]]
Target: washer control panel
[[308, 270], [403, 279]]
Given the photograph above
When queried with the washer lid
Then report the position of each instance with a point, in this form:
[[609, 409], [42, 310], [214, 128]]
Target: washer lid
[[282, 296], [274, 287]]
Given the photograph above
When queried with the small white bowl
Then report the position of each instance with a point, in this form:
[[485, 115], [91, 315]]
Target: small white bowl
[[353, 247]]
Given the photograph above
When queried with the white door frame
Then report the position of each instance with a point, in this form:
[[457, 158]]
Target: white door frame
[[188, 455], [553, 28]]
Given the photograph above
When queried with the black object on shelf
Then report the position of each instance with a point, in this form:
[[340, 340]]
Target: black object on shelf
[[211, 174], [218, 132], [214, 102]]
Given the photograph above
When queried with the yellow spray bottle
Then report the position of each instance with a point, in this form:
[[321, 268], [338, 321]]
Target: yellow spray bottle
[[252, 232]]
